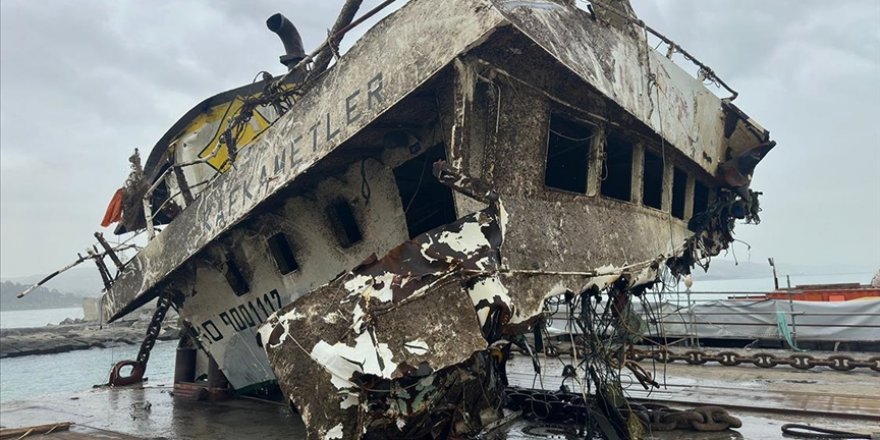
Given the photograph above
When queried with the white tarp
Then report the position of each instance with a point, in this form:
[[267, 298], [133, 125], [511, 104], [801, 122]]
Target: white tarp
[[856, 320]]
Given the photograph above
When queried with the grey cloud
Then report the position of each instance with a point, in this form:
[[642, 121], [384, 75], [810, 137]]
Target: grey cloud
[[808, 71]]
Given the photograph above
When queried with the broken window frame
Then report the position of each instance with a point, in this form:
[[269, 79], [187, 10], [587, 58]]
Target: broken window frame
[[625, 178], [235, 276], [650, 153], [344, 223], [589, 141], [446, 214], [703, 199], [282, 252], [679, 188]]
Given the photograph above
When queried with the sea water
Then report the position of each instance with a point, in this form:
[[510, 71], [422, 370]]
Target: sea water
[[38, 317], [31, 377]]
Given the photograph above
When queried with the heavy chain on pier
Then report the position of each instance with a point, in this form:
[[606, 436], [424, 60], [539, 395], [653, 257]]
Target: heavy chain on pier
[[761, 360], [139, 366]]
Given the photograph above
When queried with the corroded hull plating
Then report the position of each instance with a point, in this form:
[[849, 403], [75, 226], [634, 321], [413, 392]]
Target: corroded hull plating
[[372, 350]]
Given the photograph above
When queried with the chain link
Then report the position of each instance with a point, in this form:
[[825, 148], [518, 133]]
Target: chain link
[[558, 406], [154, 329], [139, 366], [761, 360]]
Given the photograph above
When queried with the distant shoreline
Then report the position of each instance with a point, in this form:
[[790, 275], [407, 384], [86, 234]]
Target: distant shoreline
[[78, 335], [31, 307]]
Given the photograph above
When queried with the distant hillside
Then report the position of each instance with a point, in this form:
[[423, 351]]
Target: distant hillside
[[40, 298], [83, 281]]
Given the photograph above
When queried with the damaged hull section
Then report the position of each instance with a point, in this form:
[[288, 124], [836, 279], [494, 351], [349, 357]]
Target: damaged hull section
[[394, 347], [414, 344]]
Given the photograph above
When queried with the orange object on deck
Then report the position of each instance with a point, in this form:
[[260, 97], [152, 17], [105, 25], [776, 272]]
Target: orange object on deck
[[114, 209], [823, 292]]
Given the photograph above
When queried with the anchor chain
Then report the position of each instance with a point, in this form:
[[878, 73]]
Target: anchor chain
[[707, 418], [761, 360], [567, 407], [139, 365]]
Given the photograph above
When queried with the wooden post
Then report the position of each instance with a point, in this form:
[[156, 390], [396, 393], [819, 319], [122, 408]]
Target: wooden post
[[16, 433]]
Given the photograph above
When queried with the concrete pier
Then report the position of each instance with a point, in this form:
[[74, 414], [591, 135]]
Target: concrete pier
[[764, 399]]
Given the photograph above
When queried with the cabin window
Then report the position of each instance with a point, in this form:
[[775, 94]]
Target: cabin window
[[679, 192], [568, 155], [652, 187], [280, 249], [344, 223], [617, 181], [427, 203], [701, 197], [235, 277]]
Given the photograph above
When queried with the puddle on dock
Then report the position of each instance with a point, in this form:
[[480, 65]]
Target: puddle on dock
[[155, 413]]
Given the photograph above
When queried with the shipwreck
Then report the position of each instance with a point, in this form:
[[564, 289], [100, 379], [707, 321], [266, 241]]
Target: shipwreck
[[372, 238]]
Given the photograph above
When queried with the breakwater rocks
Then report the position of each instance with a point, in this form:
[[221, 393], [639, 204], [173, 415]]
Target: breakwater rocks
[[76, 335]]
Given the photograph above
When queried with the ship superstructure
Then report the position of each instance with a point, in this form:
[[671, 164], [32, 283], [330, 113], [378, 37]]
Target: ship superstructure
[[373, 238]]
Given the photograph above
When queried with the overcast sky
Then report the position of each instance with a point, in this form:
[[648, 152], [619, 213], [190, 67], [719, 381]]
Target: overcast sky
[[83, 83]]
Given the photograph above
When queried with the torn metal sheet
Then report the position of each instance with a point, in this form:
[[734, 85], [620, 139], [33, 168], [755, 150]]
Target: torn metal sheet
[[383, 339]]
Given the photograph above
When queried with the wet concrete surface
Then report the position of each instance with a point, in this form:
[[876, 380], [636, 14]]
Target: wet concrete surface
[[154, 413], [764, 399], [755, 427]]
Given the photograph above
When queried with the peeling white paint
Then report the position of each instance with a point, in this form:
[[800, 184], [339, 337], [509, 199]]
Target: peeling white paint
[[467, 241], [417, 347], [350, 400], [357, 318], [334, 432], [342, 360], [608, 275], [292, 315], [502, 218], [426, 246], [332, 318], [366, 286], [487, 289], [358, 283], [646, 276], [274, 321]]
